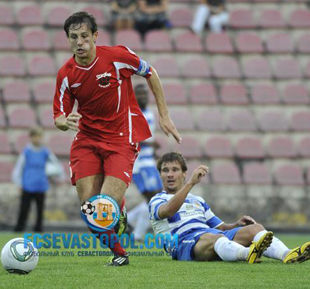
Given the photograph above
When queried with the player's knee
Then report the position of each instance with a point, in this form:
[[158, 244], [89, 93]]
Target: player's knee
[[204, 249]]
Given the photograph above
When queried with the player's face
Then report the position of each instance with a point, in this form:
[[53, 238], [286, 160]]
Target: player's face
[[82, 43], [172, 176]]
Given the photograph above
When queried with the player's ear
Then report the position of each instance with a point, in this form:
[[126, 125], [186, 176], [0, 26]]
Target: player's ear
[[95, 36]]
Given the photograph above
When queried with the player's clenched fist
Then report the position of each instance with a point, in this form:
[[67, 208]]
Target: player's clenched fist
[[73, 121], [198, 173]]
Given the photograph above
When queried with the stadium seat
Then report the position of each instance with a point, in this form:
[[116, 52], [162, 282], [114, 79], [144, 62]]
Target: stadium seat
[[6, 168], [6, 14], [196, 67], [256, 67], [303, 43], [279, 43], [43, 91], [300, 121], [226, 67], [248, 42], [41, 65], [29, 15], [60, 40], [249, 147], [35, 39], [20, 142], [308, 176], [218, 147], [2, 118], [9, 40], [300, 18], [307, 70], [57, 15], [203, 93], [98, 14], [130, 38], [158, 41], [264, 93], [211, 120], [188, 42], [5, 147], [303, 147], [175, 93], [182, 118], [190, 147], [60, 143], [12, 65], [164, 145], [272, 121], [166, 66], [289, 174], [16, 91], [287, 67], [256, 173], [181, 17], [104, 38], [271, 19], [242, 19], [46, 117], [296, 93], [241, 120], [225, 173], [281, 147], [21, 117], [233, 94], [218, 43]]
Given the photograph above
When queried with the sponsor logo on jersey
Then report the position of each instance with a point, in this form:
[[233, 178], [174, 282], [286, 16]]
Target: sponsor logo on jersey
[[104, 79]]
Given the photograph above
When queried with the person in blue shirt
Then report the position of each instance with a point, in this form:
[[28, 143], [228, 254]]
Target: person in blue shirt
[[30, 174]]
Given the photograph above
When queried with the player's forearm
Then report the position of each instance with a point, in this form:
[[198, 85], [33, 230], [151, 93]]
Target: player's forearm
[[225, 226], [61, 123]]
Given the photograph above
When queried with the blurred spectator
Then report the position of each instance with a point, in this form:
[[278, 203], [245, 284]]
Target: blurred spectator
[[212, 12], [151, 15], [31, 172], [123, 12]]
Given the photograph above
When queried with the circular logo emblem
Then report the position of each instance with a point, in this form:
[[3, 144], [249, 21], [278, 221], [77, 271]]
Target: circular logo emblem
[[20, 252], [100, 212]]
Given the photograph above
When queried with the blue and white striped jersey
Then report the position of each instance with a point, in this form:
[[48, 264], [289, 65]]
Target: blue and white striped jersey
[[195, 213]]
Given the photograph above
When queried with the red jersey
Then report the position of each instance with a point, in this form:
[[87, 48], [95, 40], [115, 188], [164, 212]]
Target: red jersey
[[105, 96]]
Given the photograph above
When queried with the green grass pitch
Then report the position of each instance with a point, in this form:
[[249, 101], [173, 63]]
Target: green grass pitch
[[158, 272]]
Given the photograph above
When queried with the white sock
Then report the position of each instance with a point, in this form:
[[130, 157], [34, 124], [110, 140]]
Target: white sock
[[276, 250], [143, 222], [230, 250], [200, 18]]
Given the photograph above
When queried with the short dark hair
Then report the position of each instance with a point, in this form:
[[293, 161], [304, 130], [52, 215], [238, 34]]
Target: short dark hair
[[79, 18], [172, 157]]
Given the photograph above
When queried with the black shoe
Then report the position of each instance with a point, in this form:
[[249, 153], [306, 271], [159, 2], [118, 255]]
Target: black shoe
[[119, 260]]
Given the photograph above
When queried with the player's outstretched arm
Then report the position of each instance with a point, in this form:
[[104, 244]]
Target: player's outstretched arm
[[244, 221], [165, 121], [174, 204], [70, 122]]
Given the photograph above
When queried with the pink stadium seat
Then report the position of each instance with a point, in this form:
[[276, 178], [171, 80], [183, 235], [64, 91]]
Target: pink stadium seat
[[307, 70], [181, 17], [158, 41], [281, 147], [97, 13], [182, 118], [104, 38], [226, 67], [57, 15], [6, 14], [203, 93], [41, 65], [36, 39], [60, 143], [279, 43], [130, 38], [188, 42], [46, 117], [60, 40], [211, 120], [264, 93], [233, 94], [44, 91], [16, 91], [2, 118], [249, 42], [218, 147], [303, 147], [241, 120], [9, 40], [271, 18], [289, 174], [175, 93], [22, 117], [5, 147], [30, 15], [300, 121], [308, 176], [257, 67], [225, 173], [20, 142], [12, 65], [249, 147], [190, 147], [6, 168], [272, 121], [166, 66], [242, 18], [196, 67], [164, 145], [303, 43], [256, 173], [296, 93], [287, 68], [300, 18], [218, 43]]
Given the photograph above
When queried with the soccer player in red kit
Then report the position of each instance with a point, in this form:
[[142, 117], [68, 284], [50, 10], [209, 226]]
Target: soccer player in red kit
[[109, 121]]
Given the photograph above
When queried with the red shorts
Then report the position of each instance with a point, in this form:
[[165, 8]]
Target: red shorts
[[90, 157]]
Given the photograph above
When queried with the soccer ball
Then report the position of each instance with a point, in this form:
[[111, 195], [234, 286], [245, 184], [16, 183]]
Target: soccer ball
[[19, 256], [87, 208]]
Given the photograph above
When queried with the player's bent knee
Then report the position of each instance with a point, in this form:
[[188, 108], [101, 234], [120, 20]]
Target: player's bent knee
[[204, 248]]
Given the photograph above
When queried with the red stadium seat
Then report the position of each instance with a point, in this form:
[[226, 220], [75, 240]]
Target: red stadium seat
[[211, 120], [303, 147], [41, 65], [129, 38], [226, 67], [256, 67], [249, 42], [256, 173], [196, 67], [182, 118], [264, 93], [9, 39], [272, 121], [233, 94], [2, 118], [225, 173], [6, 168], [289, 175], [287, 67], [30, 15], [281, 147], [43, 92], [271, 18], [203, 93], [249, 147], [16, 91], [60, 143], [158, 41], [296, 93], [97, 13], [241, 120], [218, 43], [166, 66], [279, 43], [218, 147], [57, 15], [12, 65], [36, 39], [22, 117], [6, 14], [242, 18], [5, 147], [188, 42], [190, 147], [181, 17], [300, 18], [300, 121], [303, 43], [175, 93], [46, 117]]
